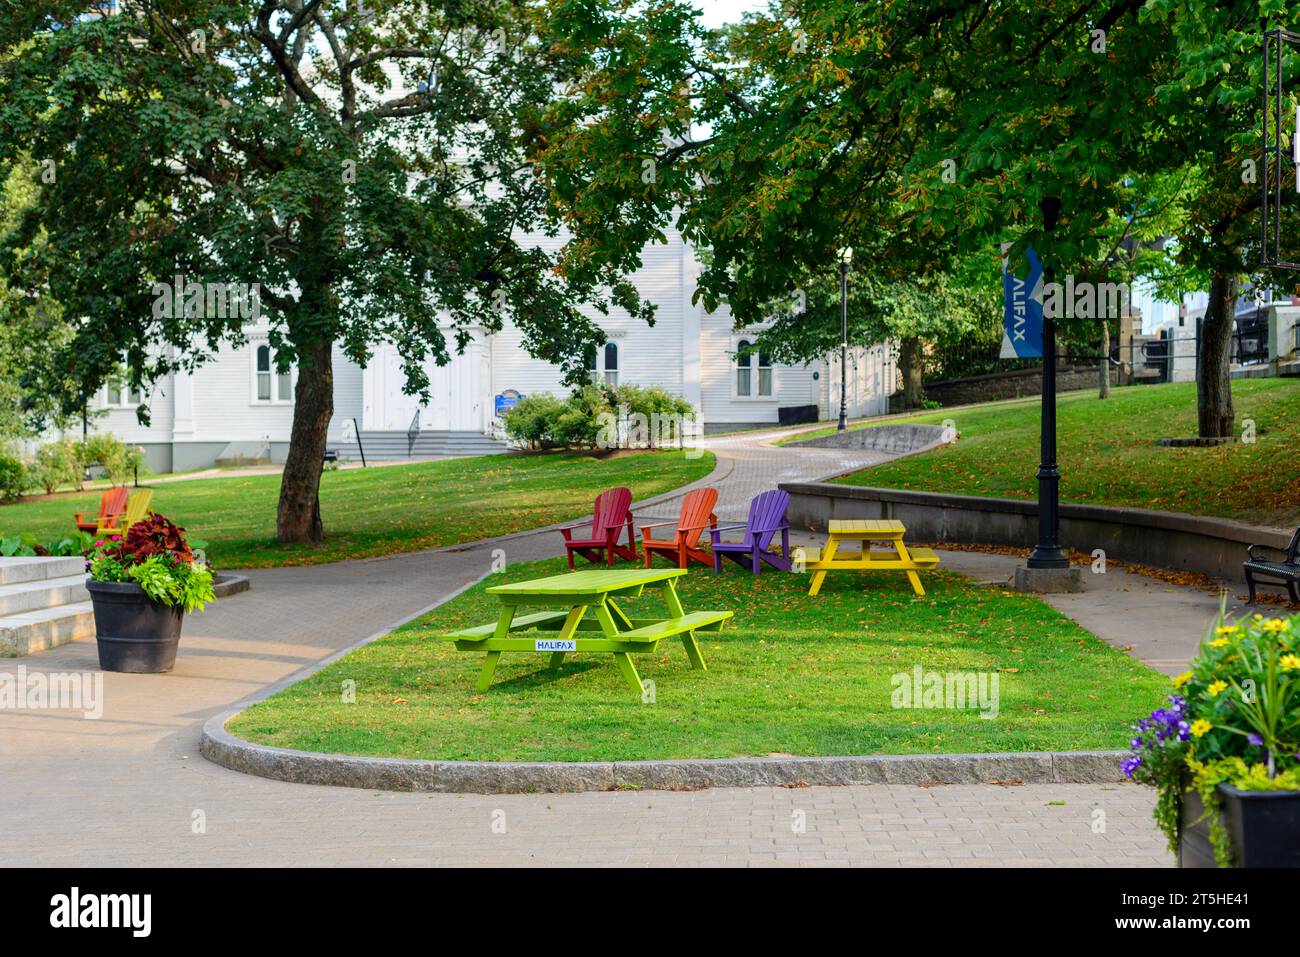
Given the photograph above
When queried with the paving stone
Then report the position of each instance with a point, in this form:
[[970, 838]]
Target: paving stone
[[134, 780]]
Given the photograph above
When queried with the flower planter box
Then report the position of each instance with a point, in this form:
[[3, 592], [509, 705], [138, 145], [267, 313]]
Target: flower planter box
[[134, 633], [1264, 827]]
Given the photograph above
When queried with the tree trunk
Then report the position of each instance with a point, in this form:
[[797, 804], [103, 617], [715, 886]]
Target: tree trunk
[[1214, 413], [911, 359], [298, 516], [1103, 391]]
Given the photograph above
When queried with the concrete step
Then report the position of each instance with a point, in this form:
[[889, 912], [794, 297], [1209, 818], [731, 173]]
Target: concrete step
[[16, 570], [44, 593], [395, 445], [35, 631]]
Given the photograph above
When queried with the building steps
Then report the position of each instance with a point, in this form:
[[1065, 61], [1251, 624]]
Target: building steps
[[43, 604], [389, 445]]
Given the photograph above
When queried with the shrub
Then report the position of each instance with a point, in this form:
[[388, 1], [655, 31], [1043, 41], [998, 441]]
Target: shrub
[[534, 420], [594, 415], [649, 417], [109, 452], [580, 421], [57, 464], [13, 479]]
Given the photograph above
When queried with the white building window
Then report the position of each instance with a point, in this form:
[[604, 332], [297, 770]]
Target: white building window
[[611, 363], [269, 384], [753, 372], [118, 395], [602, 365]]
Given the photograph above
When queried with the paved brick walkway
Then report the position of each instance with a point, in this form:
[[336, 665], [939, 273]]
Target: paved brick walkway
[[131, 789]]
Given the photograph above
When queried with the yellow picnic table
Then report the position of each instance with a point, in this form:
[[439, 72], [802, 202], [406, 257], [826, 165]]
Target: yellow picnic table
[[860, 533]]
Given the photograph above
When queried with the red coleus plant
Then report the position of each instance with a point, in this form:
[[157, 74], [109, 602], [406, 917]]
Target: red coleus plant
[[155, 535]]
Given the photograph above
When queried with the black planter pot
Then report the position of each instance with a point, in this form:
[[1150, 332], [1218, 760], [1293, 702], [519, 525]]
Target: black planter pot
[[1264, 827], [134, 633]]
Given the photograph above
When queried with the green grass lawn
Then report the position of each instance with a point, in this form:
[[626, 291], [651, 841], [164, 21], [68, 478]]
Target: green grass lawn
[[1108, 454], [788, 675], [380, 511]]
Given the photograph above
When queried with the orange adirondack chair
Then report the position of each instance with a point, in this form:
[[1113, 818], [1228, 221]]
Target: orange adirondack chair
[[111, 506], [611, 515], [695, 519]]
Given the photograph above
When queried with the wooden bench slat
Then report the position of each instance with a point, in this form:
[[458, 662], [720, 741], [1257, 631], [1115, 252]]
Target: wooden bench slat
[[523, 621], [924, 555], [675, 626]]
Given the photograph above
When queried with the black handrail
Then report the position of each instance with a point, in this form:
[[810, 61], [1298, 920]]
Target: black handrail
[[412, 433]]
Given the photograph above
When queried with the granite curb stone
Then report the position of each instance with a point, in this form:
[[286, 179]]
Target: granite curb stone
[[523, 777]]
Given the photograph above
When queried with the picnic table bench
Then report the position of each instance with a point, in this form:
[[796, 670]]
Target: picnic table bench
[[859, 555], [583, 611]]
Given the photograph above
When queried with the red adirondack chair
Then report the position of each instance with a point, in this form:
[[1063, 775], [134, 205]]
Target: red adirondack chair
[[112, 504], [695, 519], [612, 514]]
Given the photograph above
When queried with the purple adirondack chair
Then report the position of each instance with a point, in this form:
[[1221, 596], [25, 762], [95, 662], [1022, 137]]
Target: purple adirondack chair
[[766, 518]]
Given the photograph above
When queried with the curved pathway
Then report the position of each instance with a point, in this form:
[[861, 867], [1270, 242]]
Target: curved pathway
[[131, 789]]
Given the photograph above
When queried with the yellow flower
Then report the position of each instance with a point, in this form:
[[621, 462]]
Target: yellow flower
[[1273, 624], [1215, 687], [1227, 629], [1219, 643], [1182, 679], [1289, 662], [1200, 726]]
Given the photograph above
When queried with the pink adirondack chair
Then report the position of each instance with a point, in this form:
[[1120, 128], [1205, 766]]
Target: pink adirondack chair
[[695, 518], [612, 514], [766, 518]]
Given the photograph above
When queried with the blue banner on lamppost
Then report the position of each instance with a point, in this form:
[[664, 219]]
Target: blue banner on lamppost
[[1022, 309]]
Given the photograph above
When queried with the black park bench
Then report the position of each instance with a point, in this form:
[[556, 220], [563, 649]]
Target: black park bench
[[1284, 572]]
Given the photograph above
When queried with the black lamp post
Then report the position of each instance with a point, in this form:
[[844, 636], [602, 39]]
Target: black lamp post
[[1048, 553], [846, 257]]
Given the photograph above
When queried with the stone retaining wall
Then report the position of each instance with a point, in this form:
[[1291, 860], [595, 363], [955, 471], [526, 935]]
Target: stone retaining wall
[[1008, 385], [1172, 540]]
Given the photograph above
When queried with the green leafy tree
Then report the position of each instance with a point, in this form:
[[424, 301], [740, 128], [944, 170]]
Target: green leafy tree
[[32, 329], [366, 164], [1213, 113]]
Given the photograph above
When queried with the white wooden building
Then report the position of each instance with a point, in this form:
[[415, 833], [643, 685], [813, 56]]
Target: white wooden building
[[237, 405]]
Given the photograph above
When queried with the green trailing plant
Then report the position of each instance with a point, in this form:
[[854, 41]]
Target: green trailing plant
[[1234, 719], [155, 555]]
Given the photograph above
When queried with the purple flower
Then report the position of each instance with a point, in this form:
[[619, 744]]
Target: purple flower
[[1255, 739], [1130, 765]]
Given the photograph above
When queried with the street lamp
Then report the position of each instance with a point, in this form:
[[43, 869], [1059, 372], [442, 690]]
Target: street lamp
[[846, 257], [1048, 554]]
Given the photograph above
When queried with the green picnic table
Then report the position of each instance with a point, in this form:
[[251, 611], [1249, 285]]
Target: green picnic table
[[587, 601]]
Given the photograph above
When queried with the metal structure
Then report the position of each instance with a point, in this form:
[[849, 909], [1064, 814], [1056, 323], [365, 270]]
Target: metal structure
[[1048, 553], [846, 256], [412, 433], [1271, 187]]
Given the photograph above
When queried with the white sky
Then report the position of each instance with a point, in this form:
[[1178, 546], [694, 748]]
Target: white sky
[[718, 12]]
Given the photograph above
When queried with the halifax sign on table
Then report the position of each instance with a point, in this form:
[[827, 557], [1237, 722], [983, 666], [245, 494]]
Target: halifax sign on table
[[1022, 309]]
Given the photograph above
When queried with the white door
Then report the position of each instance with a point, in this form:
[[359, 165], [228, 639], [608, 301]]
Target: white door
[[387, 407]]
